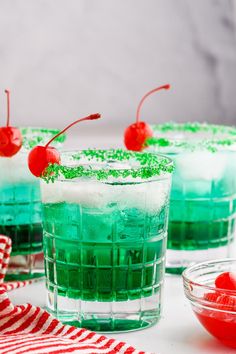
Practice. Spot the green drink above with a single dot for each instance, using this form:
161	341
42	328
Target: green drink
203	195
20	208
105	226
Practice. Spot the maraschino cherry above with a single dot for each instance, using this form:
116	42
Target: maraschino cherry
137	133
10	137
41	156
226	280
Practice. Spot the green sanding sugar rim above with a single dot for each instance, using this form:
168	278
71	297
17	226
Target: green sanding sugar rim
149	165
36	136
213	144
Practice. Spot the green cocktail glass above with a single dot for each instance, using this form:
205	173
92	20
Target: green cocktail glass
203	195
20	207
105	227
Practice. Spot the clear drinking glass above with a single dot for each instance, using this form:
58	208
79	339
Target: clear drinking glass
105	227
203	195
20	207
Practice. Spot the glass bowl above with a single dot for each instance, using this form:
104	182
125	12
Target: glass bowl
215	308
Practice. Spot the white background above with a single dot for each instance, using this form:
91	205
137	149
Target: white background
64	59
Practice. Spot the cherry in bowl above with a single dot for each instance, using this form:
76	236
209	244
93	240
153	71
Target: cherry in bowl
210	289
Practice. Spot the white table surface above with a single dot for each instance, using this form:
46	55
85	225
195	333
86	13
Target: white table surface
178	331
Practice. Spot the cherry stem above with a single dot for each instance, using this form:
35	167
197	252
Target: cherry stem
8	107
164	87
91	117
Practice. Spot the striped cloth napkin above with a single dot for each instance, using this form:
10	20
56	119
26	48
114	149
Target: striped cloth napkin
30	329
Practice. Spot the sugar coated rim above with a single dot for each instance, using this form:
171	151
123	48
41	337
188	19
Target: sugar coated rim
148	166
37	136
214	143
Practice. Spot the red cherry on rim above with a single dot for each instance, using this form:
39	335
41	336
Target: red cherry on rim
226	280
40	157
137	133
10	137
10	141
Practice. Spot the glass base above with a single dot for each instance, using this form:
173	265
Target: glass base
122	316
178	260
24	267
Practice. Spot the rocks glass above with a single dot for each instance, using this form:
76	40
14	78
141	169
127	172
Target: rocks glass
203	195
105	228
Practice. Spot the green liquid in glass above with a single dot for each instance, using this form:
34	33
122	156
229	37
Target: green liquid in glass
103	254
200	225
26	239
20	217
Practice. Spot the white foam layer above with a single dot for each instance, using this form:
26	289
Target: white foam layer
201	165
146	196
15	169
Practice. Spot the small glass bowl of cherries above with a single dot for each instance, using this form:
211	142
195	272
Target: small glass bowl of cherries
211	290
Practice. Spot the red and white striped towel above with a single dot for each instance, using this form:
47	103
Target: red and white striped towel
30	329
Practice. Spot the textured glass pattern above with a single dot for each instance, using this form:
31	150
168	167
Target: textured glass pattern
202	208
21	208
106	256
20	216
